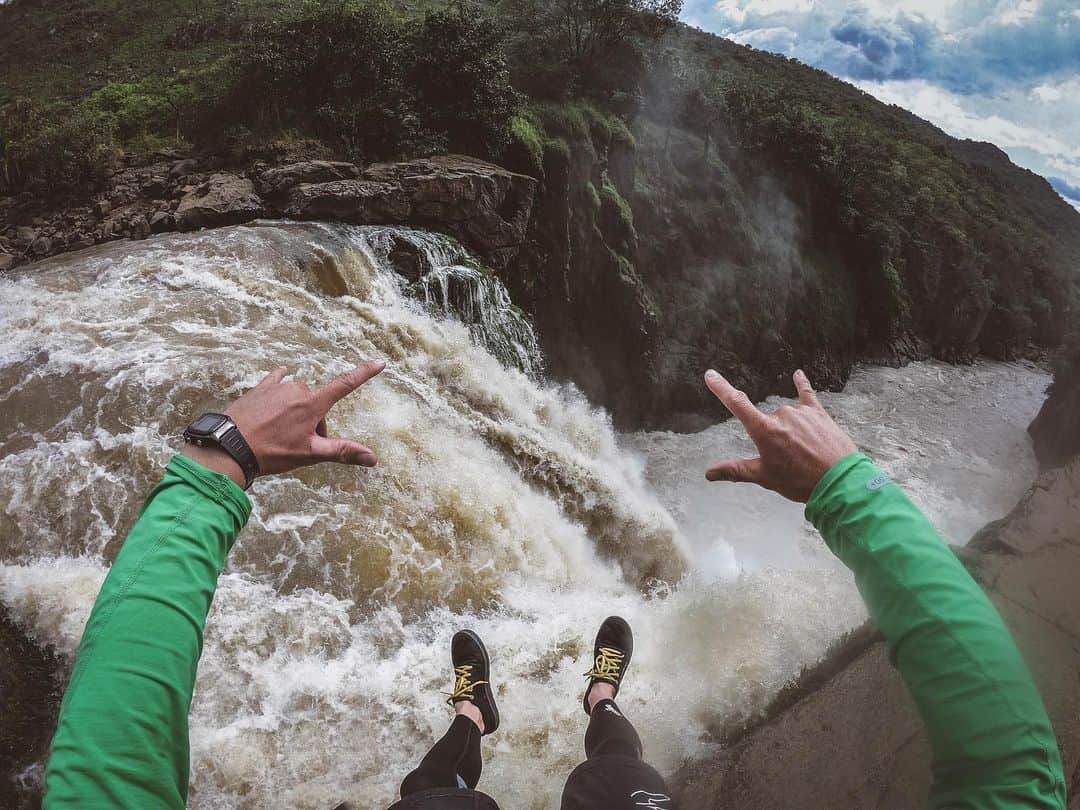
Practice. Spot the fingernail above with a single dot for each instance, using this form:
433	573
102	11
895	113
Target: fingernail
711	374
801	373
368	459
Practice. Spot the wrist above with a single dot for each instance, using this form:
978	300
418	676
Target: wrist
217	460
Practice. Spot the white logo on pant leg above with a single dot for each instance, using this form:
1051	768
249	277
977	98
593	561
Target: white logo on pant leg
642	798
609	708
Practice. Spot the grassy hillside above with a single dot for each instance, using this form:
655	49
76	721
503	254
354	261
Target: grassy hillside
700	202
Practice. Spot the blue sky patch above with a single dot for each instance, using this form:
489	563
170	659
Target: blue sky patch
1004	71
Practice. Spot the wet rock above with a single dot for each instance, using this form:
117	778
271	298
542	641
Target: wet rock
485	206
140	228
225	199
7	261
406	259
280	179
102	208
42	246
1055	432
183	167
359	201
24	237
162	221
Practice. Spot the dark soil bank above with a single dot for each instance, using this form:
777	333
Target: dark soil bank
30	692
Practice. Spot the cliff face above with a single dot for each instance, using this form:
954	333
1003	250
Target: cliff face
705	205
1055	431
848	735
805	224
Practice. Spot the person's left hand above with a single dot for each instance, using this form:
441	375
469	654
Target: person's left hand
285	425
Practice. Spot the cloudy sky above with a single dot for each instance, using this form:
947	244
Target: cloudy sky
1004	71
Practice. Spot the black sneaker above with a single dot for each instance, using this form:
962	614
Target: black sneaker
472	674
611	655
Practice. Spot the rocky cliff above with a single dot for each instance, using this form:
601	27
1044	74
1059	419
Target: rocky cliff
485	206
847	734
1055	431
806	224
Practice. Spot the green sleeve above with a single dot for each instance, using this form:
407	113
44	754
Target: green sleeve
122	736
992	742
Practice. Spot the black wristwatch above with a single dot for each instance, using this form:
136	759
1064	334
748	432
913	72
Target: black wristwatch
218	430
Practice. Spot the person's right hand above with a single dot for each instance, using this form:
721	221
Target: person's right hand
285	425
797	444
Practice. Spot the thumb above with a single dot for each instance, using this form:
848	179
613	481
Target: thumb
745	470
342	451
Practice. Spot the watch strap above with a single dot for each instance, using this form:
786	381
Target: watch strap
228	437
234	443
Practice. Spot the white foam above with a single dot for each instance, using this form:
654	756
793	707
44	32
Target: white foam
499	503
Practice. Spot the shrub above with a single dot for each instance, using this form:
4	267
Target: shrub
527	139
135	110
378	84
336	67
57	148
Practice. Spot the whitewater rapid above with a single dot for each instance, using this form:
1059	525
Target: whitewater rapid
501	503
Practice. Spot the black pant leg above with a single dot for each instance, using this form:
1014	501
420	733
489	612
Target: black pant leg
472	763
609	732
442	765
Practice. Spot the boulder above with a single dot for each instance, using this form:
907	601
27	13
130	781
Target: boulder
406	259
359	201
183	167
280	179
140	228
7	261
162	221
225	199
41	246
1055	432
31	684
24	237
485	206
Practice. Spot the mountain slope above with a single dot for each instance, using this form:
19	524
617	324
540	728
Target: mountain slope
701	203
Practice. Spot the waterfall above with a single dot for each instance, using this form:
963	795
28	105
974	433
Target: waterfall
502	502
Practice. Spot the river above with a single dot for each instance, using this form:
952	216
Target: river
502	502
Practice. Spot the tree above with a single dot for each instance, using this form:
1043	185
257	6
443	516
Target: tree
592	27
705	104
336	66
461	79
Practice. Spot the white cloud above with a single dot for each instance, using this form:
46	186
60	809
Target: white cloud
1043	137
1020	13
1004	71
739	10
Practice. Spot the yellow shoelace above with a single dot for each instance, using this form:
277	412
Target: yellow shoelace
608	665
464	685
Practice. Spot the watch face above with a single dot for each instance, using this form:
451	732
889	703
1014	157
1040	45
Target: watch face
207	423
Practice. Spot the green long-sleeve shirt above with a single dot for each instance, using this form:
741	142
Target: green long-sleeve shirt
122	735
992	743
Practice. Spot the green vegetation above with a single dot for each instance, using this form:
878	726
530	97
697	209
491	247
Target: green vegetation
929	222
753	176
370	78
